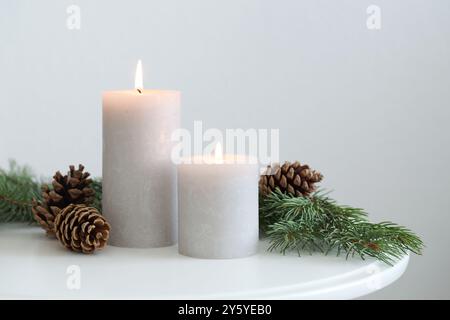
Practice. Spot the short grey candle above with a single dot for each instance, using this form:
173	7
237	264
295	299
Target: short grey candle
218	209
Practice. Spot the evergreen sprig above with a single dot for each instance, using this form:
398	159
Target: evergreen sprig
97	186
318	223
18	186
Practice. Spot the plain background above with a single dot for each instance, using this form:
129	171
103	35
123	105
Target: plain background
368	108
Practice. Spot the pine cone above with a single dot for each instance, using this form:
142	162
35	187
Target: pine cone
73	188
45	216
82	229
296	179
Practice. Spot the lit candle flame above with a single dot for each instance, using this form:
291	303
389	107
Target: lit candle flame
218	153
138	81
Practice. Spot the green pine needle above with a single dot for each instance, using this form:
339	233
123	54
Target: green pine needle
318	223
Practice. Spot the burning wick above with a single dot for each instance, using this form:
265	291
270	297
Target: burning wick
138	82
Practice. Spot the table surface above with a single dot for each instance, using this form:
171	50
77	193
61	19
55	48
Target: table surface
33	266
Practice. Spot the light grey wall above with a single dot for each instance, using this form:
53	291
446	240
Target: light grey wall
368	108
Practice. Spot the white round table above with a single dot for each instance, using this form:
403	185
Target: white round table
33	266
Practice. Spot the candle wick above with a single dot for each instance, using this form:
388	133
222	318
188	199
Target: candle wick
139	90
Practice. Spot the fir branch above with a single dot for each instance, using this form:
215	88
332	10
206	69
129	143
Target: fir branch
18	187
318	223
97	186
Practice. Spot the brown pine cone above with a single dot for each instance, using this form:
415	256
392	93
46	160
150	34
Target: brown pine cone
296	179
82	229
45	216
72	188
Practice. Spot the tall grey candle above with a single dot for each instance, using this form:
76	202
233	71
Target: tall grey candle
139	178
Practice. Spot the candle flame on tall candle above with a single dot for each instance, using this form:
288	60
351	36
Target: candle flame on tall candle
218	153
138	79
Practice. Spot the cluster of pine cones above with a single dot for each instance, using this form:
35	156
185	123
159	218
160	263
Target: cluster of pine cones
293	178
64	212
